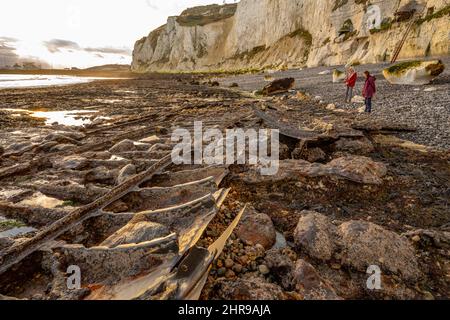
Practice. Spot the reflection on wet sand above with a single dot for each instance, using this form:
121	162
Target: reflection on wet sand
68	118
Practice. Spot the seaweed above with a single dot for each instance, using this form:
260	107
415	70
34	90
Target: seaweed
403	66
10	224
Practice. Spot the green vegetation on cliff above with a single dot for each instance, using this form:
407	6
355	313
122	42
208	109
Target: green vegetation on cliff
445	11
203	15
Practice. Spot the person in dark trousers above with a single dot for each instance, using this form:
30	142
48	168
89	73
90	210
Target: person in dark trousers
350	81
369	90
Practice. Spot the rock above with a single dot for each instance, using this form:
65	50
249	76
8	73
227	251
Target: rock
234	85
151	140
325	72
237	268
368	244
438	238
162	130
281	267
136	233
123	146
309	154
301	96
414	72
5	243
229	263
338	76
358	99
278	86
310	284
331	107
263	269
61	138
315	235
71	163
284	151
221	272
354	168
360	146
358	169
230	274
358	244
62	147
257	228
247	289
126	172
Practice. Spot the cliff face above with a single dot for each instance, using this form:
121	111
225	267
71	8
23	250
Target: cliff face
265	34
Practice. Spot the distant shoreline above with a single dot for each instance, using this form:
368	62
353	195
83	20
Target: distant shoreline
78	73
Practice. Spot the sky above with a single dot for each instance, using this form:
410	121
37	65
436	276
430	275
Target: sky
80	33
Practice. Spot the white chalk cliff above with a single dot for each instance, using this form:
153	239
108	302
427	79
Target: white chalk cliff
263	34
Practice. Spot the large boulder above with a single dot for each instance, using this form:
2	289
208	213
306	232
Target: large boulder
314	235
366	244
257	228
358	169
414	72
357	245
278	86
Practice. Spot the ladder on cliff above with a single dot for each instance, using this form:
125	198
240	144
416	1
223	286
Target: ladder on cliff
401	43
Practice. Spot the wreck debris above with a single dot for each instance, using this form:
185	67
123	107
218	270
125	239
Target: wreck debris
278	86
414	72
338	76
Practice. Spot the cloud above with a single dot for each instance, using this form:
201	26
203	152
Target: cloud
55	45
7	39
8	56
110	50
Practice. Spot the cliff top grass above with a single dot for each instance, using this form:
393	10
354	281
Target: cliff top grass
203	15
403	67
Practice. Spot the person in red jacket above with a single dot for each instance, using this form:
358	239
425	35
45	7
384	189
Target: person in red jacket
350	81
369	90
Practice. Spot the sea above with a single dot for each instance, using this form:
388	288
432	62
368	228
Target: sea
31	81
